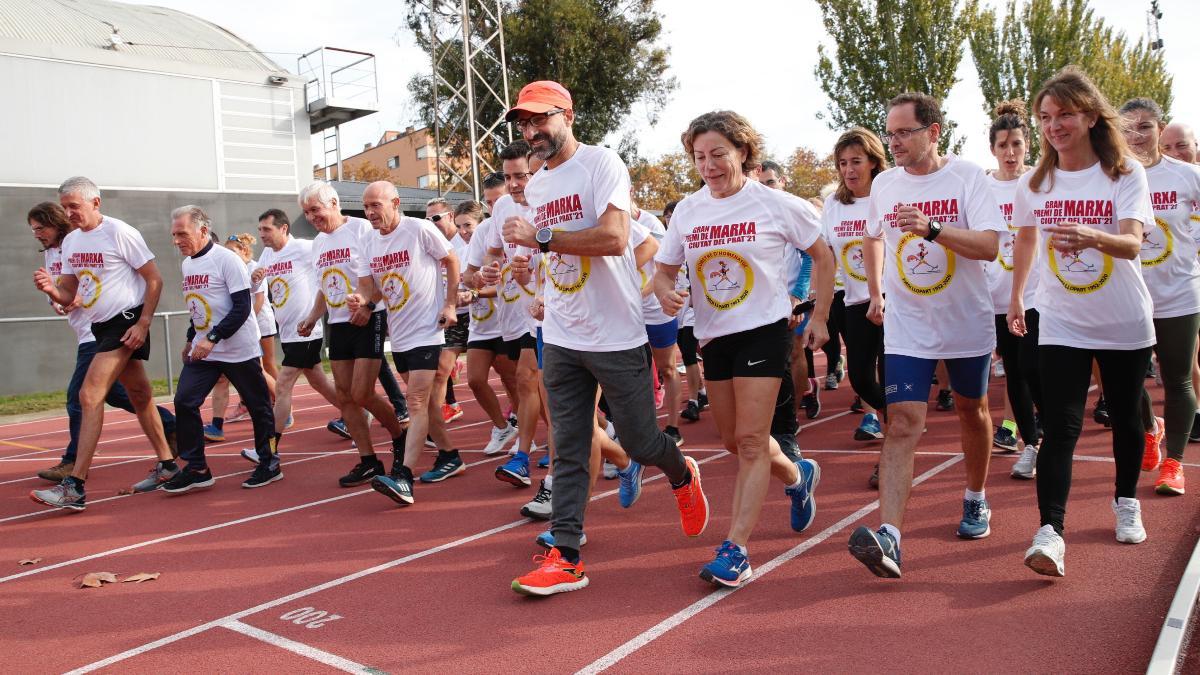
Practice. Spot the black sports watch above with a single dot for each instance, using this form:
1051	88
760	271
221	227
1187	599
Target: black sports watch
213	337
371	305
543	237
935	228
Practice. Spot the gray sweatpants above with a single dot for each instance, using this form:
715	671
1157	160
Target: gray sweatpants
571	377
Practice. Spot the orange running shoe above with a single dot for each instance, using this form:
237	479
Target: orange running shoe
1170	478
451	412
693	505
552	575
1153	454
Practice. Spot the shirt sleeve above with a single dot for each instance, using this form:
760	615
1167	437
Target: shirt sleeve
433	241
1133	196
610	182
132	246
638	233
670	249
874	227
801	222
65	259
982	211
477	247
1022	215
234	271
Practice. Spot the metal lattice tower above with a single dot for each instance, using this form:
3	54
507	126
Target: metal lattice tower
470	90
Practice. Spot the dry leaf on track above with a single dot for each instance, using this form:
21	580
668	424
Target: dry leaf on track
141	576
30	561
96	579
124	491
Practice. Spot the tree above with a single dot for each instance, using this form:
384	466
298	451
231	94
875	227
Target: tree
606	52
885	47
365	172
1013	57
671	178
808	172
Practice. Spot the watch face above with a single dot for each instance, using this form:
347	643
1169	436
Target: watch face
543	235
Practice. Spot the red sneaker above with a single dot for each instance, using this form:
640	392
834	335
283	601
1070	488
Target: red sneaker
552	575
1170	478
1153	454
693	505
451	412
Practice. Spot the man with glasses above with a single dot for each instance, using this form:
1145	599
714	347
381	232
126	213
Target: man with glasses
932	227
592	328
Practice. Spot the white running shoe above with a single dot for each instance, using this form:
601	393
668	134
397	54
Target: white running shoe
500	439
1026	466
1129	520
1045	555
611	431
610	470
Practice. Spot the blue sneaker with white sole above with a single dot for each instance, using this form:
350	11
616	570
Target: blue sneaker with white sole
869	429
515	471
544	462
877	550
976	519
213	434
630	487
804	502
546	540
729	569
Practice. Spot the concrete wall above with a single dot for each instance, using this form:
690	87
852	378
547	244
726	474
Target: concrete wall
41	356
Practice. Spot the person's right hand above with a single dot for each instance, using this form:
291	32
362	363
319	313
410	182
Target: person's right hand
875	311
305	327
490	273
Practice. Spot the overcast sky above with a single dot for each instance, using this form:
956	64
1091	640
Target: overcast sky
759	62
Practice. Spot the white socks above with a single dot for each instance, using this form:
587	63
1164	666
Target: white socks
973	496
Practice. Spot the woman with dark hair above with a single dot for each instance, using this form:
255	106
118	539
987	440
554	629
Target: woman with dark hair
1091	199
1008	138
1172	276
732	234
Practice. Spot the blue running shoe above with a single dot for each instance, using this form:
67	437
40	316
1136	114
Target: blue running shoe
730	568
877	550
338	427
630	487
213	434
804	504
869	430
447	464
976	520
546	540
544	462
515	470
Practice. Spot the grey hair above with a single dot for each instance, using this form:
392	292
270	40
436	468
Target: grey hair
437	200
195	215
80	185
323	191
771	165
1143	103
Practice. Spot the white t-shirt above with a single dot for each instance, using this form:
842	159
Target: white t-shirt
1000	270
1168	254
336	256
1088	299
593	303
291	281
76	318
461	247
652	312
844	226
265	317
485	312
209	282
734	249
513	297
105	260
938	304
406	265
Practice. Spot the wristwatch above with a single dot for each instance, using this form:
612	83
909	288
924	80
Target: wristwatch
935	228
213	337
543	238
371	305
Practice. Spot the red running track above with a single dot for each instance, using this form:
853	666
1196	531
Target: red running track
425	589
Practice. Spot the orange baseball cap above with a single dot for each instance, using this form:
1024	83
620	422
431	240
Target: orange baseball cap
539	97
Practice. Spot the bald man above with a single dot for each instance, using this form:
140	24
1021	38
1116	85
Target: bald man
1178	141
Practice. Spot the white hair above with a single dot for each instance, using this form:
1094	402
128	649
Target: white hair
323	191
84	187
195	215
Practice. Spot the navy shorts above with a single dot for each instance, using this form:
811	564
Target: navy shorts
663	335
909	378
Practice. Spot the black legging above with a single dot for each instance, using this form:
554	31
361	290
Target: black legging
1019	395
837	329
784	422
1066	376
390	386
864	355
1028	359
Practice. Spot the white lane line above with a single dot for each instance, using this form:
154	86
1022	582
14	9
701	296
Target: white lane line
653	633
333	583
1165	659
307	651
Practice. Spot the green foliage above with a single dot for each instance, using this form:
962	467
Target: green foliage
1034	40
885	47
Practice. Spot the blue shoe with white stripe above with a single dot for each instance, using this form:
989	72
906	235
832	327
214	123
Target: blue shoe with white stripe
630	487
515	471
804	504
546	540
729	569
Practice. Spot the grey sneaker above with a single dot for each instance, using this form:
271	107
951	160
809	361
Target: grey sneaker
1129	520
1046	553
538	507
155	479
63	496
1025	468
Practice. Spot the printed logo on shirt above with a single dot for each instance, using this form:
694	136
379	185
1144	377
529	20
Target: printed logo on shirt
482	309
89	288
1008	240
395	291
705	236
279	290
199	310
852	260
336	286
1080	272
560	210
727	278
925	267
1157	243
568	273
510	288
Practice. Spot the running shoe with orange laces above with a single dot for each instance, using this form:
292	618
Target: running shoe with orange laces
693	505
451	412
1153	454
553	574
1170	478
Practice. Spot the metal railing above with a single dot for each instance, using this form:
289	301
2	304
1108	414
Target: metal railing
166	317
